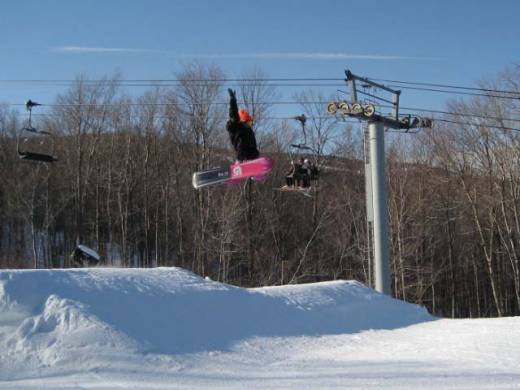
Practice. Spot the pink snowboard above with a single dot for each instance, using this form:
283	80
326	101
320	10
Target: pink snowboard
258	169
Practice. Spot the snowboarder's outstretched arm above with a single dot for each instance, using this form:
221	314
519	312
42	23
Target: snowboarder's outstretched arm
233	106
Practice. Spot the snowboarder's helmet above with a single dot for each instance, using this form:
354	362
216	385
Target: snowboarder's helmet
244	116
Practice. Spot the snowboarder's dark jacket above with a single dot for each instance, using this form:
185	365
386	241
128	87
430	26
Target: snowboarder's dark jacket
241	134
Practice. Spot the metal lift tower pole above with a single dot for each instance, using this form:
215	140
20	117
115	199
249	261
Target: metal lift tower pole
376	194
380	224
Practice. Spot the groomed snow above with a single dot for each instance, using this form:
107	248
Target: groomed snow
167	328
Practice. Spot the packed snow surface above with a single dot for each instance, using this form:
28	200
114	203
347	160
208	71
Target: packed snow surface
167	328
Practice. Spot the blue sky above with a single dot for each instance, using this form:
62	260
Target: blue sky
454	42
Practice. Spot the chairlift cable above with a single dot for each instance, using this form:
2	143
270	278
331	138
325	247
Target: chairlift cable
448	86
309	81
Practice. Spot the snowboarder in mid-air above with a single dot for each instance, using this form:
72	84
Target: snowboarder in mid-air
248	164
241	134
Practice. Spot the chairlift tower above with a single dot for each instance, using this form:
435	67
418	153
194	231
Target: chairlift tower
375	178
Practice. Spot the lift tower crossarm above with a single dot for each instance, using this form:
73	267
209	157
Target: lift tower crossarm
351	78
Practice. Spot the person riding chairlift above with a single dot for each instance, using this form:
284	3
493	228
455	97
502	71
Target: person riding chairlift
292	178
306	173
299	174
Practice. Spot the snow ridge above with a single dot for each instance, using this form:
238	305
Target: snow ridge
58	320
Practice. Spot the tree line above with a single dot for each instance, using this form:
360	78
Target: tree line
122	186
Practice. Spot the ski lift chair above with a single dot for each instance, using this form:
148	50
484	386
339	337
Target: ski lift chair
312	180
35	155
42	147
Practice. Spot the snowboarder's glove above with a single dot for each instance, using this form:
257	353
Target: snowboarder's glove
231	93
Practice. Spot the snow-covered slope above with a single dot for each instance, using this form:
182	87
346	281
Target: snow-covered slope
168	328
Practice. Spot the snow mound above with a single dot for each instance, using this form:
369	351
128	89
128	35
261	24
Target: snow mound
339	307
65	332
66	322
51	317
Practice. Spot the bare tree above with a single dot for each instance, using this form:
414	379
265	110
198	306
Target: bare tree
83	112
199	89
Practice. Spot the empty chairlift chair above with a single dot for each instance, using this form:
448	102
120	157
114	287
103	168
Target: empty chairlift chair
33	144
